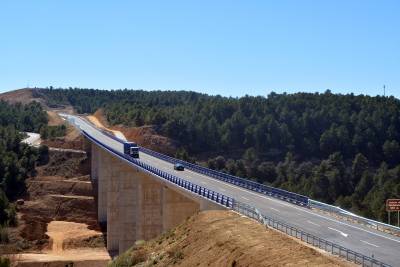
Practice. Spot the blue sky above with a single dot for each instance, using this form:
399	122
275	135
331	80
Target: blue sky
218	47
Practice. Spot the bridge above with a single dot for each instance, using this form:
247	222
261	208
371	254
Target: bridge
142	198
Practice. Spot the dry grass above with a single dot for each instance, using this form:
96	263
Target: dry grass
224	238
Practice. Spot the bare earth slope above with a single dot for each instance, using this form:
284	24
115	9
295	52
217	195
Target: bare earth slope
224	238
145	136
22	95
57	219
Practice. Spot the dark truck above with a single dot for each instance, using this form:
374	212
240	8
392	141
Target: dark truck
131	149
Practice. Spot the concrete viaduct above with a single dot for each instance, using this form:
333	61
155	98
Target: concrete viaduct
134	204
138	199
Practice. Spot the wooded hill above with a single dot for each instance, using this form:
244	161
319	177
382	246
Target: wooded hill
341	149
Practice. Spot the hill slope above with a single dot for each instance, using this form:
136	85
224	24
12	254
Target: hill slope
223	238
24	96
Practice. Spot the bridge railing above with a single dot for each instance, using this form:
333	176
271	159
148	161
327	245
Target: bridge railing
199	190
251	185
310	239
354	217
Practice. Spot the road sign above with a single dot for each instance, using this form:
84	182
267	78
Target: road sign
393	205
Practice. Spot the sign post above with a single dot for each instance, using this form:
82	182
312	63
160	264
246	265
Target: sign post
393	205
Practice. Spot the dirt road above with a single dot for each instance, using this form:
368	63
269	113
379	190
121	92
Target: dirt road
65	238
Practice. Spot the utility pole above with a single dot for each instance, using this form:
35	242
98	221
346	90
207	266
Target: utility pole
384	90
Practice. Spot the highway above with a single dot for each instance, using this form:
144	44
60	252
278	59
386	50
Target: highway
359	238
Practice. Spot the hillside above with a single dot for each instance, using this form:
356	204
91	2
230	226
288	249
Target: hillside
339	149
223	238
56	222
23	96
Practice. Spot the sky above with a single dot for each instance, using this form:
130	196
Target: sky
231	48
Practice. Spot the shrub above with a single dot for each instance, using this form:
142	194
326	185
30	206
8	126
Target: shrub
4	262
3	235
12	216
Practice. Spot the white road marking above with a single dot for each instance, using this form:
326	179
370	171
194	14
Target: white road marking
223	190
245	198
203	182
301	209
340	232
313	223
274	209
369	243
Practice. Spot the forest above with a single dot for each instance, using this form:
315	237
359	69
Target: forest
339	149
17	160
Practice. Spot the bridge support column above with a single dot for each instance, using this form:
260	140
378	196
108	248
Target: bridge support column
94	167
128	206
176	208
113	205
104	176
149	212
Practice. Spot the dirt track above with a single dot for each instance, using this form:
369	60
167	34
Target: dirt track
79	257
62	234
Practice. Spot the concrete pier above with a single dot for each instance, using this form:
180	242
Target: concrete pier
135	204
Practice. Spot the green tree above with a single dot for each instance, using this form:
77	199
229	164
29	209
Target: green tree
391	150
267	172
360	165
3	206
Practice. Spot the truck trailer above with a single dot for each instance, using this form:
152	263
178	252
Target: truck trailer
131	149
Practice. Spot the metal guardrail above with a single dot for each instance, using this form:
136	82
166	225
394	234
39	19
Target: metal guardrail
354	217
244	183
310	239
251	212
199	190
